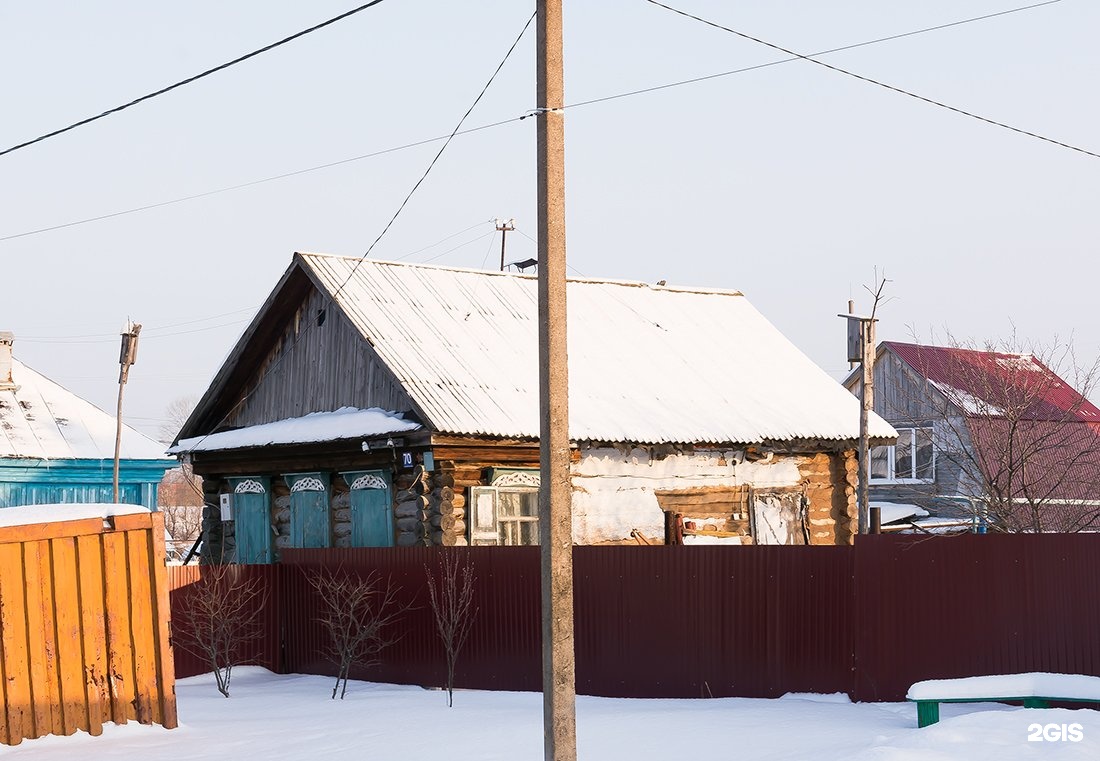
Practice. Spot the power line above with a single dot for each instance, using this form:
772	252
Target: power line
194	78
841	49
579	104
311	325
435	159
877	82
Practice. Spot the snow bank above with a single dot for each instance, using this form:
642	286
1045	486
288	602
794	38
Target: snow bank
1005	686
31	514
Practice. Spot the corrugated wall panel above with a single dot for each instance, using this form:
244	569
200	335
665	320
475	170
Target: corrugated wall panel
943	607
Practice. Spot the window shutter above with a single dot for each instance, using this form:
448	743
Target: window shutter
483	526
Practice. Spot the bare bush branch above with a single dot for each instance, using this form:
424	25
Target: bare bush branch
358	614
219	615
452	596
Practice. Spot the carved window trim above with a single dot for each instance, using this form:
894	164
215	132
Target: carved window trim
249	486
369	481
514	478
309	483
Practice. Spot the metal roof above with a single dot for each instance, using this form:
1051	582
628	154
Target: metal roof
41	420
647	364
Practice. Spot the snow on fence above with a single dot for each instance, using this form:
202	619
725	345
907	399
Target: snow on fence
83	621
751	621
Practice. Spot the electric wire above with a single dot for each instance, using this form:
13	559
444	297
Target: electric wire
435	158
312	324
189	80
579	104
853	46
876	82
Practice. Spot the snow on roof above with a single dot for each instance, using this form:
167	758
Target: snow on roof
897	511
41	420
344	423
32	514
647	364
1004	686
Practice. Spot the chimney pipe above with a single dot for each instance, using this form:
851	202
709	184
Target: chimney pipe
7	338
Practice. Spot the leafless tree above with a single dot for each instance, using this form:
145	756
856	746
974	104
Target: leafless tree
452	598
175	415
1013	425
358	614
218	617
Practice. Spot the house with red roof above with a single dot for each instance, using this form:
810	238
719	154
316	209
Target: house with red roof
996	439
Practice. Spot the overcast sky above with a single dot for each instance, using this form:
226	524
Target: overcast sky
790	183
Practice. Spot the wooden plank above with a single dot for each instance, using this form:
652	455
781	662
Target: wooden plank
14	653
133	522
40	531
93	627
40	638
120	649
165	660
142	610
69	653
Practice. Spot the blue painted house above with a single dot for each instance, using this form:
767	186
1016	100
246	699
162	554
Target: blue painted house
56	447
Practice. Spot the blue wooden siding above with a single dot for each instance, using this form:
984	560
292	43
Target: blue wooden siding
252	518
310	521
371	508
37	482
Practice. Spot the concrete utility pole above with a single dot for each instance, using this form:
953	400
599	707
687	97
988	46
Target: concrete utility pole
555	495
866	404
861	348
127	356
504	226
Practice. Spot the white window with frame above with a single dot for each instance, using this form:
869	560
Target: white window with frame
506	512
911	461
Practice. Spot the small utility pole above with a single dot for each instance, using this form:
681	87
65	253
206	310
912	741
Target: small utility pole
127	356
504	226
861	348
559	696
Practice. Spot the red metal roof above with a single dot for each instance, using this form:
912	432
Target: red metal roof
999	380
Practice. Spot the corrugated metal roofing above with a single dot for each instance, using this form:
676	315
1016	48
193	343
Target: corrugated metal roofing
647	364
42	420
983	382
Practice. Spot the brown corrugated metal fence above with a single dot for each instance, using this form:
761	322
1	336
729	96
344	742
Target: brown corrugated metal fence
747	621
84	627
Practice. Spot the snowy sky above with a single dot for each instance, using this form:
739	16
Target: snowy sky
790	183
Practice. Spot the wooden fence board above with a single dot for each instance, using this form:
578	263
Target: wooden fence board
146	707
69	650
165	662
13	644
83	626
93	630
120	649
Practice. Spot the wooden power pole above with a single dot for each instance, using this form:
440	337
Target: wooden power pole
127	356
504	226
555	495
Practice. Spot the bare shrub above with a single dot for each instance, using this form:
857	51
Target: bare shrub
452	596
358	613
220	614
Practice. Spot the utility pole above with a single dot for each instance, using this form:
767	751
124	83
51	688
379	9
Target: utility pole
504	226
127	356
861	348
559	695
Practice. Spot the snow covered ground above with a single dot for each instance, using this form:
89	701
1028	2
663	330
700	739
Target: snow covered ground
279	718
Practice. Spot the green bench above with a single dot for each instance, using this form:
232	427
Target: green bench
1034	690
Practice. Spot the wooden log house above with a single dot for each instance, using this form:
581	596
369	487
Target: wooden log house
378	404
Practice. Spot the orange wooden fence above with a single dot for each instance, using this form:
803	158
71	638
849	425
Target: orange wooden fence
84	627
